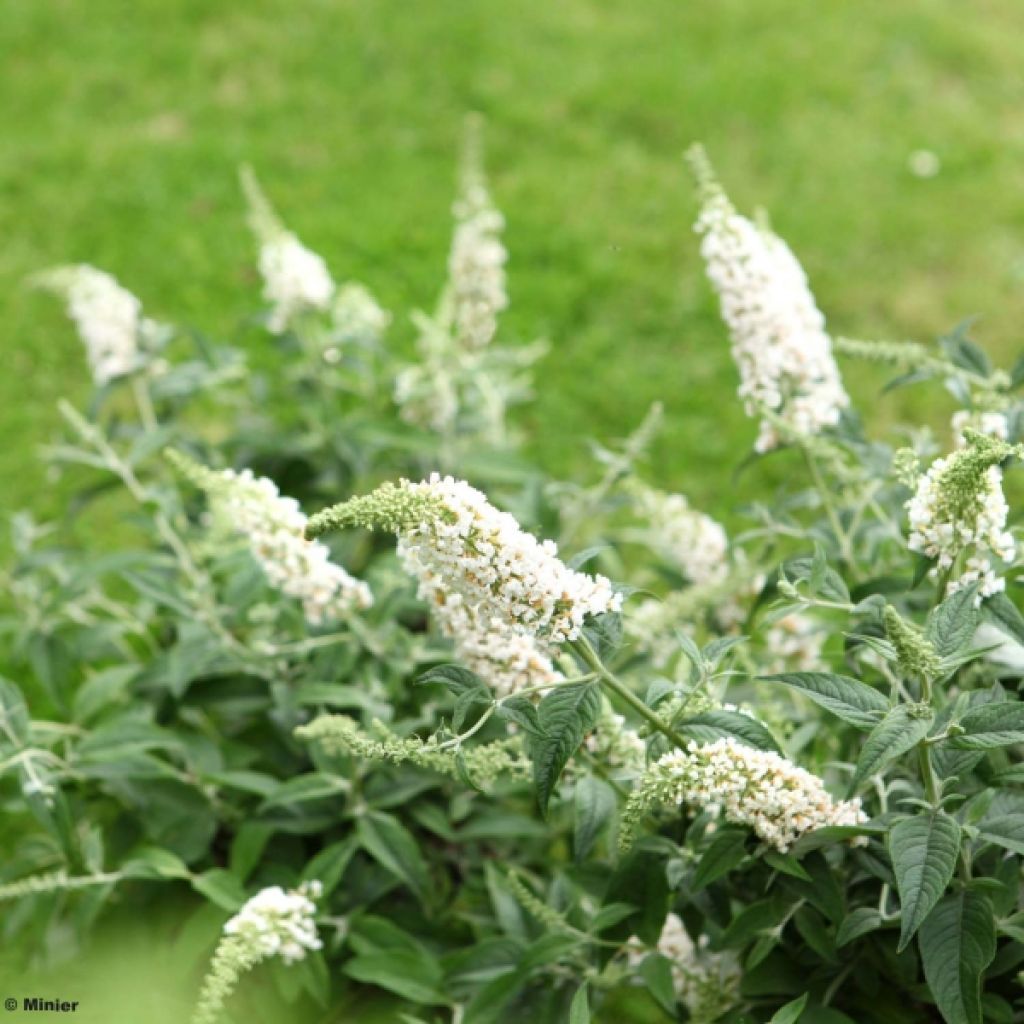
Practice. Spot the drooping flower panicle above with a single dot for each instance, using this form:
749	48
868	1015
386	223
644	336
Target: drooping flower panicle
788	375
959	510
108	318
696	544
763	790
275	922
295	279
449	532
476	264
274	526
506	659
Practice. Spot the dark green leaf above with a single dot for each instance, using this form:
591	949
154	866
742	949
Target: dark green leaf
951	626
791	1012
390	844
849	699
957	942
411	974
566	715
857	923
716	725
593	808
1006	831
991	725
924	850
727	849
901	729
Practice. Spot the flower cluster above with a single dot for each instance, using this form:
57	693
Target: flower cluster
779	800
614	744
794	644
295	279
706	983
788	374
506	659
356	315
273	526
959	510
449	533
696	544
476	264
273	923
279	923
108	318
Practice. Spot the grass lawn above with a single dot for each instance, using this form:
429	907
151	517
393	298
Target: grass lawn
124	125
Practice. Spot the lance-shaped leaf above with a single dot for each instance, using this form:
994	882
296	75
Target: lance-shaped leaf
957	942
715	725
1006	831
991	725
1003	613
924	851
903	727
849	699
952	625
564	716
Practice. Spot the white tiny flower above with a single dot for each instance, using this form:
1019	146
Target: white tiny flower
779	800
295	279
779	341
498	569
108	318
278	923
273	526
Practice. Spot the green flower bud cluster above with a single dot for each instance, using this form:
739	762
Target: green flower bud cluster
963	478
915	654
485	762
55	881
547	915
393	508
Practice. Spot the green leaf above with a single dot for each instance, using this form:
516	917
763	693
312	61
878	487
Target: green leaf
458	679
579	1009
991	725
957	942
725	851
593	808
790	1013
849	699
220	887
247	847
411	974
857	923
392	845
1004	615
656	971
901	729
951	625
716	725
924	851
486	1006
565	716
1006	831
303	788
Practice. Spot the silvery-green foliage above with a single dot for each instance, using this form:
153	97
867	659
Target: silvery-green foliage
565	751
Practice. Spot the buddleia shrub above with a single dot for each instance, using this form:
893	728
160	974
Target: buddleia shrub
411	717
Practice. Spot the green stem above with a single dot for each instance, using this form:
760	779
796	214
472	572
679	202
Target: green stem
590	657
931	785
821	485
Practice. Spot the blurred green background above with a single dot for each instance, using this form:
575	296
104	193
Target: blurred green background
124	125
